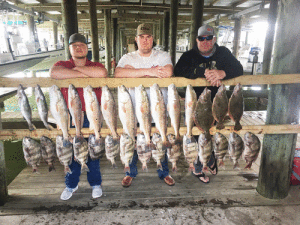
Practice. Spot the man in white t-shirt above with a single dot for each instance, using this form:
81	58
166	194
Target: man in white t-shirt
145	62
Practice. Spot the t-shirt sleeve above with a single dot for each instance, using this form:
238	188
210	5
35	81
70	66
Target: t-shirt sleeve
165	59
63	63
123	61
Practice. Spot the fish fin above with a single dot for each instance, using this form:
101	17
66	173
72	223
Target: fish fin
220	126
144	167
248	166
236	166
237	126
84	168
174	168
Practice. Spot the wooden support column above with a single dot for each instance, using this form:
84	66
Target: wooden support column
270	36
118	45
283	107
55	34
161	28
94	30
197	20
166	30
237	36
70	22
3	184
173	32
107	25
114	40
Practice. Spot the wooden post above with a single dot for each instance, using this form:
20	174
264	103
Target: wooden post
173	32
270	36
3	184
55	34
94	30
70	22
237	36
161	28
166	30
114	42
107	22
197	20
278	150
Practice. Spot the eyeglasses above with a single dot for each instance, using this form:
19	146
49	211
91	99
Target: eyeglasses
208	38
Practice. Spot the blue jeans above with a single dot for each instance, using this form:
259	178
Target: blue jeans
161	173
93	176
198	165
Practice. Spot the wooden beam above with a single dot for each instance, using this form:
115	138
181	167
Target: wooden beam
147	82
17	134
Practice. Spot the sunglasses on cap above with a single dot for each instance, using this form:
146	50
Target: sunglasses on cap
208	38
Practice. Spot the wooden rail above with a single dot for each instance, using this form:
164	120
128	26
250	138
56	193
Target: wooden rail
14	134
147	82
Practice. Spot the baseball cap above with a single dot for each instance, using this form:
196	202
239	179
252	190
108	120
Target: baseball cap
144	29
77	38
206	30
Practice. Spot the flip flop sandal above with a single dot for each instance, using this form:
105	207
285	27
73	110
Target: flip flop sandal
201	175
215	167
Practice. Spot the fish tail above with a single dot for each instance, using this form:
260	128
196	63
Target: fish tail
237	126
174	167
236	166
127	169
191	167
67	170
31	127
220	126
159	166
221	163
144	167
51	168
84	168
34	170
248	166
113	163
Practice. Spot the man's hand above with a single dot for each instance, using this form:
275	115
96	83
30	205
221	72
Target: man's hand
214	76
80	70
160	72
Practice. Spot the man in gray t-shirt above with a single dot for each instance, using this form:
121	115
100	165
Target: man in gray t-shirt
145	62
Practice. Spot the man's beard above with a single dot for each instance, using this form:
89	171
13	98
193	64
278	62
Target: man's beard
79	57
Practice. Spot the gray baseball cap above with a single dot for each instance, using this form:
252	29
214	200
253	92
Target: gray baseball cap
206	30
77	38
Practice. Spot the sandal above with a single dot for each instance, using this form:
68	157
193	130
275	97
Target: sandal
201	175
126	182
214	170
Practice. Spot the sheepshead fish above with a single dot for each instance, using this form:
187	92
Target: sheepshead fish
143	114
64	154
190	105
75	108
59	111
93	111
25	107
252	148
236	106
205	150
126	150
158	154
112	149
159	114
203	113
126	112
32	152
236	148
190	150
42	106
174	110
220	147
109	111
144	154
96	147
48	151
81	152
174	152
220	107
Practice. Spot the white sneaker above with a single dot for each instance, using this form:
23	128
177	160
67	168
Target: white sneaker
97	191
67	193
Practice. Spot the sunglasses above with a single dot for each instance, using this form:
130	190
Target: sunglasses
208	38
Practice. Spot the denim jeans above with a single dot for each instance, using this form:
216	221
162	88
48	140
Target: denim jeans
198	165
161	173
93	176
